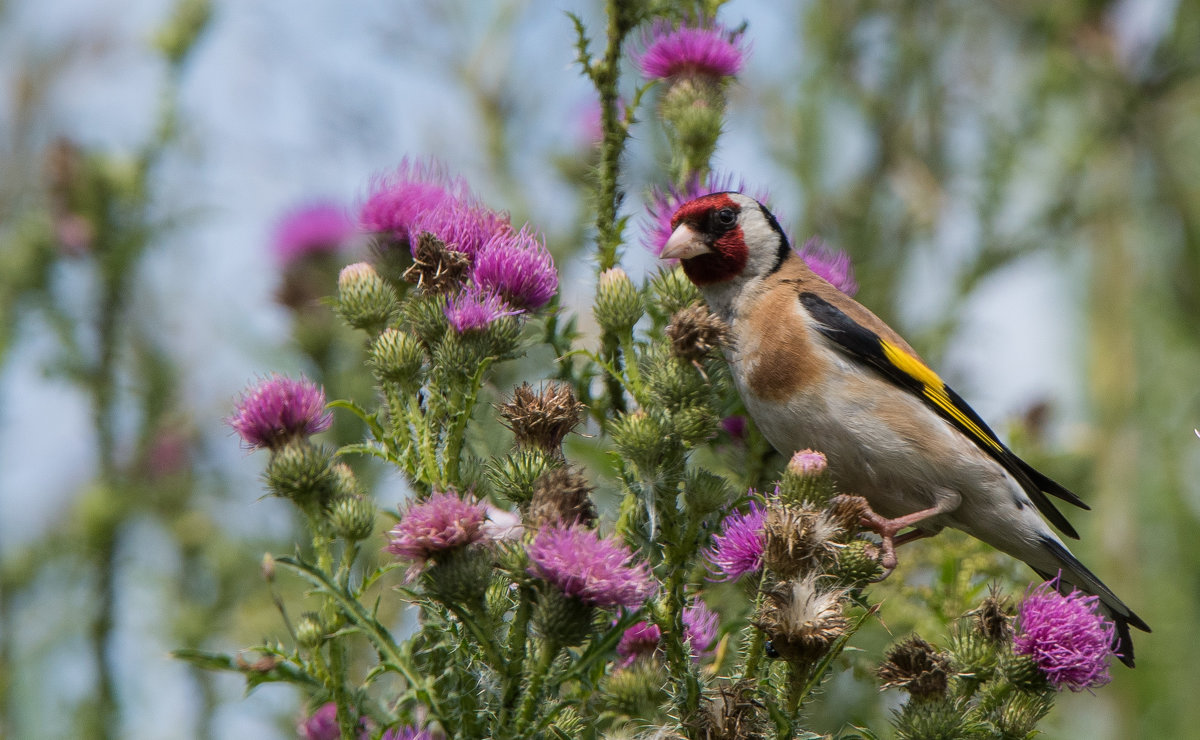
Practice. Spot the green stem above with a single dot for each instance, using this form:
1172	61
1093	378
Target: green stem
529	702
514	665
458	430
754	652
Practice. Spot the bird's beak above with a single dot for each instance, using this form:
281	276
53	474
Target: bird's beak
684	243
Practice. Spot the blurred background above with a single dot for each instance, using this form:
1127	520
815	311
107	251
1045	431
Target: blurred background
1017	183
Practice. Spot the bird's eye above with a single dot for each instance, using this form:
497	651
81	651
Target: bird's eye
725	217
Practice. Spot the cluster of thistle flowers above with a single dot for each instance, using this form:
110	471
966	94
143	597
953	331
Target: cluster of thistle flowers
1000	673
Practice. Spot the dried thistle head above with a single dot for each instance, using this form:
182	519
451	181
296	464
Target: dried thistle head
917	667
561	496
542	418
801	620
796	539
436	269
732	713
845	511
695	331
994	617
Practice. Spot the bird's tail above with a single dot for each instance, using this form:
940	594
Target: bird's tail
1074	574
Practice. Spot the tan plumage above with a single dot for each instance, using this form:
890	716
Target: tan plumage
816	369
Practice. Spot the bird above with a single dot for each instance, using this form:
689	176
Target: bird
818	370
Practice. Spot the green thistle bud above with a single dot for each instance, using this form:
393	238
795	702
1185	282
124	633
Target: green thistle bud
190	19
364	300
673	292
673	383
1023	673
644	439
618	303
310	632
302	472
1019	716
917	667
562	619
937	719
398	358
636	691
513	476
806	479
503	336
344	481
460	576
457	357
857	564
975	656
425	316
353	518
705	493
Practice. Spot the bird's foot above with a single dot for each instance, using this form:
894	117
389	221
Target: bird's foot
890	537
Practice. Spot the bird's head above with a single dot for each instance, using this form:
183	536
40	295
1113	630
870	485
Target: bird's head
725	237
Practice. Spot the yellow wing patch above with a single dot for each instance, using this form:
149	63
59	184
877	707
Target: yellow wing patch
935	390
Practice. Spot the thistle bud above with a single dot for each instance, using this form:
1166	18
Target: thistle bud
364	300
643	439
513	476
1021	713
673	383
426	316
917	667
937	718
618	303
975	656
561	496
673	291
353	518
398	358
806	479
562	619
994	617
637	690
705	493
459	576
180	34
301	472
310	633
542	419
695	331
695	425
857	564
1023	672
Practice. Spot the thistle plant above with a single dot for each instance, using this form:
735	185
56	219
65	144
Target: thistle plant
714	600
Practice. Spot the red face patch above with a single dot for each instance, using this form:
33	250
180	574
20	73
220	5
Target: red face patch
695	212
729	255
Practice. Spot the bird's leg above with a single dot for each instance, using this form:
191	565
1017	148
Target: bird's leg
888	529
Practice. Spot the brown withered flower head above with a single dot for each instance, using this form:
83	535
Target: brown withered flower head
542	418
561	496
695	331
801	620
436	269
845	511
917	667
731	714
796	539
994	617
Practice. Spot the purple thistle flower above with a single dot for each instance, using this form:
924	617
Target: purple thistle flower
673	51
461	223
735	427
664	203
279	409
807	463
700	629
581	564
313	228
321	724
475	308
396	200
442	522
640	639
1066	636
517	266
830	264
739	548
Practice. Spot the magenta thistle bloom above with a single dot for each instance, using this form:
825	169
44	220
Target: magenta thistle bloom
738	549
640	639
314	228
581	564
700	629
461	223
830	264
735	427
442	522
1066	636
688	51
396	200
664	203
808	462
279	409
517	266
475	308
321	724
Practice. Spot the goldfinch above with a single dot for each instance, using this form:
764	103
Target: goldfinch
818	370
